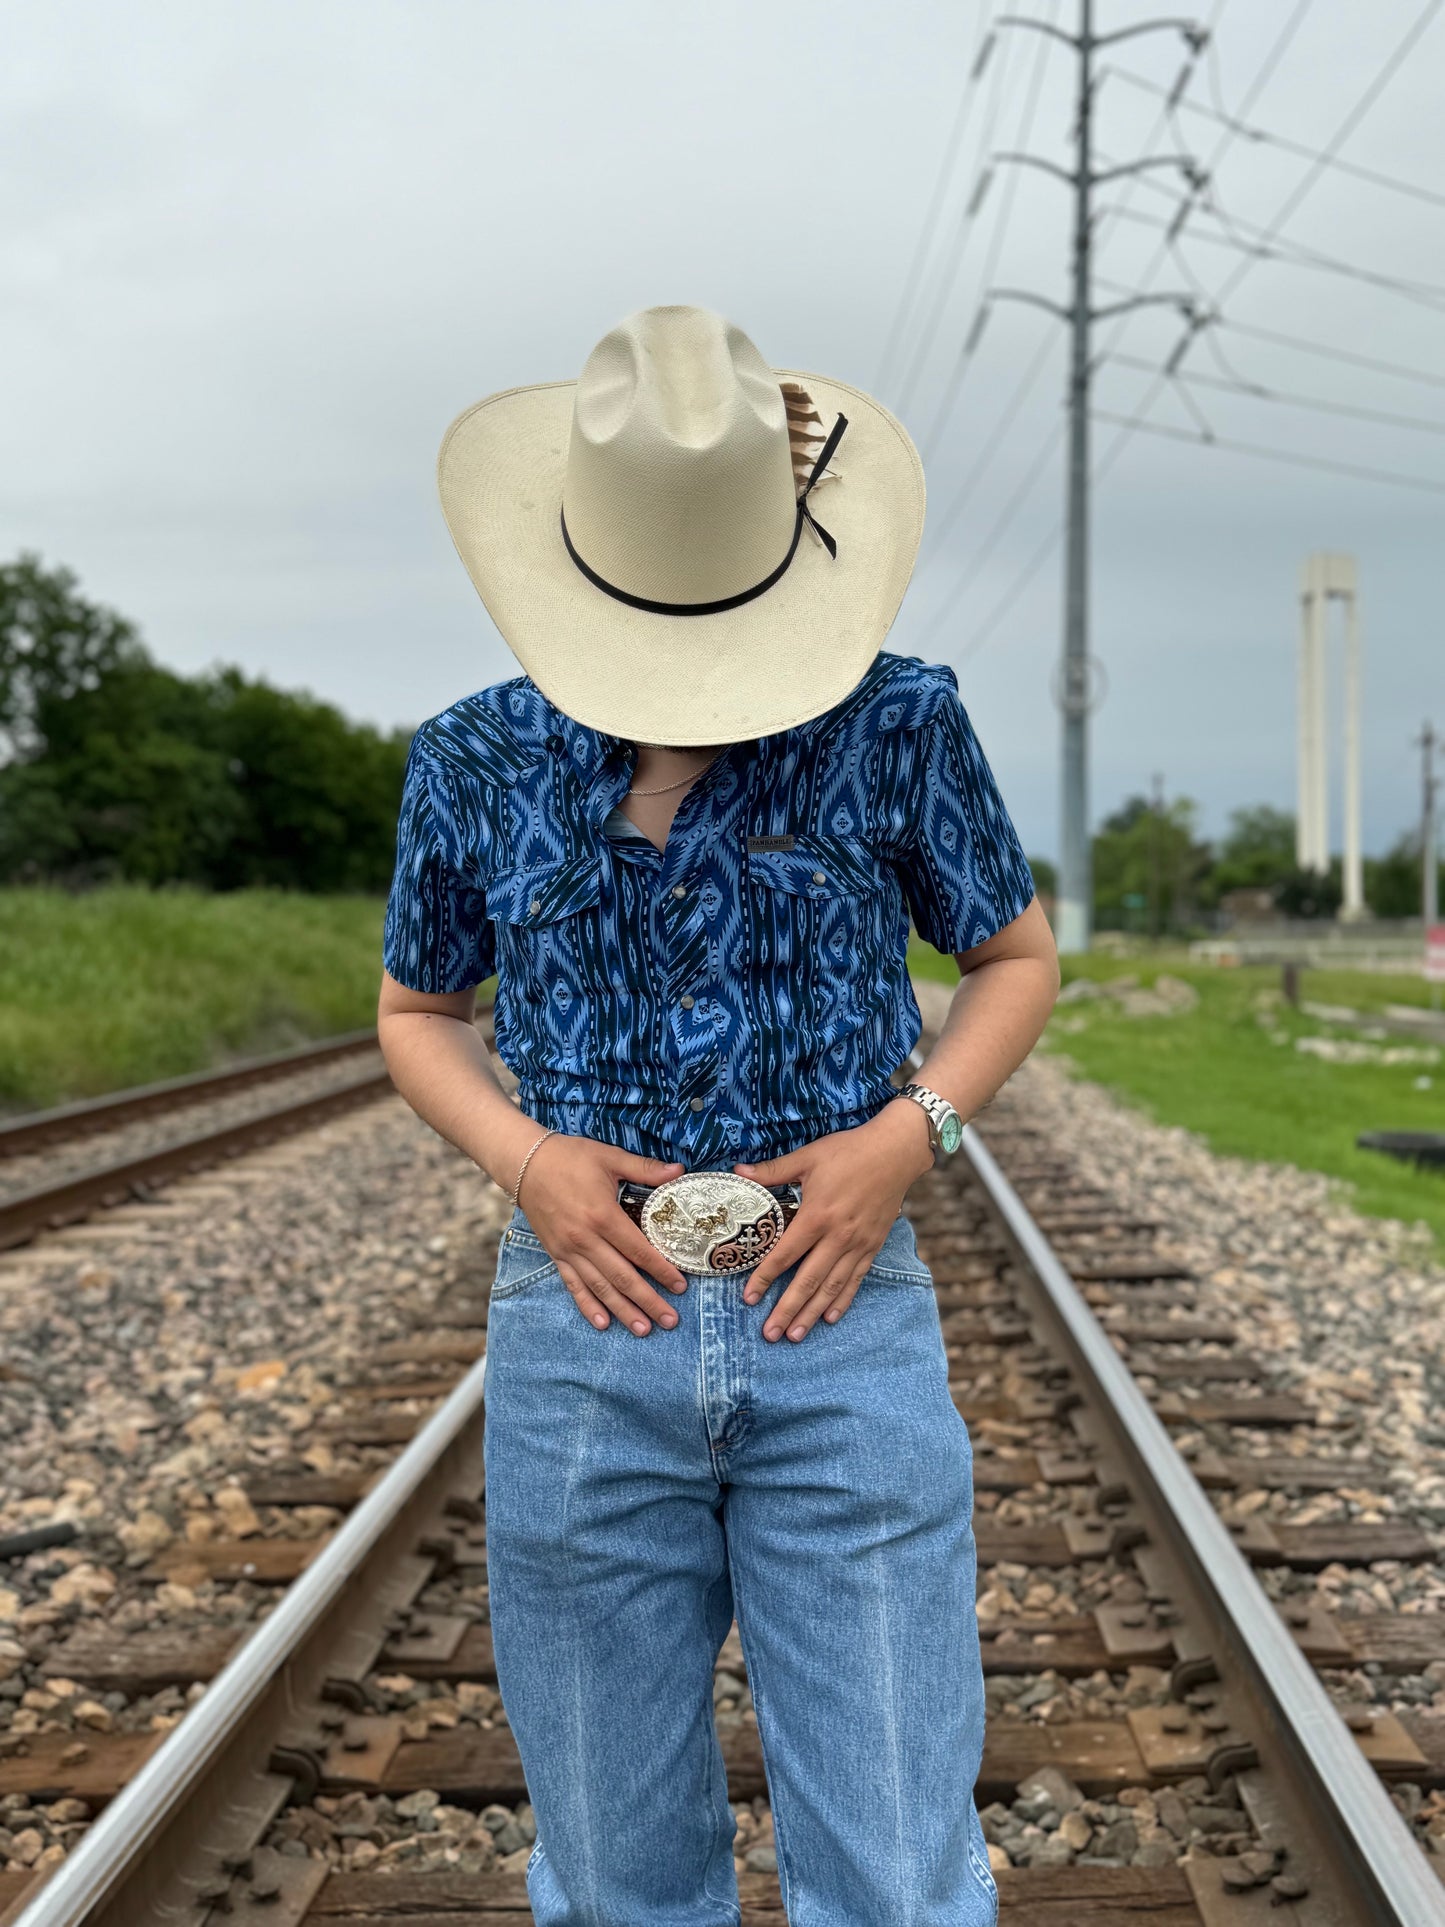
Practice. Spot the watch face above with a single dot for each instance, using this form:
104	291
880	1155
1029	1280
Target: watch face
951	1131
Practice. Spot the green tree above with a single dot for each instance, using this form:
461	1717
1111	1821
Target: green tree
1394	881
120	768
1310	893
1148	860
1257	852
53	644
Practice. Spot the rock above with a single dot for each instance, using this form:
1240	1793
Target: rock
1206	1819
84	1584
996	1821
1053	1852
1075	1829
238	1512
1172	1812
146	1534
1055	1788
1121	1840
259	1379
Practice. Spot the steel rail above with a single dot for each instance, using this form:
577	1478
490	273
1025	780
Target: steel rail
34	1131
1336	1807
151	1853
73	1198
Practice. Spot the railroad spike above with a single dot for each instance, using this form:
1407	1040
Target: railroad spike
1234	1756
299	1765
1199	1670
350	1693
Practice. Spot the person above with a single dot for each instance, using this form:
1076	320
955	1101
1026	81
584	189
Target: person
688	841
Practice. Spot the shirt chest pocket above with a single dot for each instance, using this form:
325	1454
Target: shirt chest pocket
552	931
818	920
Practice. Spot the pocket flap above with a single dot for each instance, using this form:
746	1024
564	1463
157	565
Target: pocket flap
542	892
819	866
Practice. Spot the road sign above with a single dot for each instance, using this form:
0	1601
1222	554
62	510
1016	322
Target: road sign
1435	953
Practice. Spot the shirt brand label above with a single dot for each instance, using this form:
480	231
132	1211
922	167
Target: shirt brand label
771	842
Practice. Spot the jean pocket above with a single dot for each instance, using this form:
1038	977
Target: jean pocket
896	1261
523	1264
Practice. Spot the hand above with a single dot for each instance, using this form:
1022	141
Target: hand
854	1184
571	1204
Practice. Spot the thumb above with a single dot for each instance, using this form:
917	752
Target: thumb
629	1164
776	1170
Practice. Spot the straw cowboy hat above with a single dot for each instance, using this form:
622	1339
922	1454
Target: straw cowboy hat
685	545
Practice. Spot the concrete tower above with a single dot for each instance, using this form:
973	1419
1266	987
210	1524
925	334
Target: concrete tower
1325	578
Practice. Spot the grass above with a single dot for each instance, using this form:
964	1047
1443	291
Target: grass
1229	1070
125	985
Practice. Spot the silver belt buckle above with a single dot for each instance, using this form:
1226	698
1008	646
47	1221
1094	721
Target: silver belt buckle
714	1223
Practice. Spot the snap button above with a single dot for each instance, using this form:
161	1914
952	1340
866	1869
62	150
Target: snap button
818	877
694	1103
686	1002
679	889
534	906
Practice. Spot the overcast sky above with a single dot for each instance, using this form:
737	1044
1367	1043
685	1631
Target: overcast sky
254	259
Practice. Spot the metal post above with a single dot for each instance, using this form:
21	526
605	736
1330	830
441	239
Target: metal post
1075	916
1429	863
1319	805
1353	906
1074	902
1310	745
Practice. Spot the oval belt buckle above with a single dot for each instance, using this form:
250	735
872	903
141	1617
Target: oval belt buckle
715	1223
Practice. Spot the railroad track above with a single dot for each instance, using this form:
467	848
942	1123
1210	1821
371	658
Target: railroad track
1079	1483
60	1166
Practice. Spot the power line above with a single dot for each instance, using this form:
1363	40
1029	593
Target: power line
1264	73
1304	187
1025	386
1294	255
971	341
1330	353
1000	429
945	288
1243	130
1293	457
982	48
1021	493
980	176
1319	404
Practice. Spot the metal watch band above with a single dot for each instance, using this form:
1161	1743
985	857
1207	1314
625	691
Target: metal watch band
935	1108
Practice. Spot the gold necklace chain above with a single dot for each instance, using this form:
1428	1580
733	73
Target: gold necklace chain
665	787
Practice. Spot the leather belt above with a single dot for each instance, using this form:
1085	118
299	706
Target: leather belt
711	1223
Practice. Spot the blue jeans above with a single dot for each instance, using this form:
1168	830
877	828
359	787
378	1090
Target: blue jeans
643	1492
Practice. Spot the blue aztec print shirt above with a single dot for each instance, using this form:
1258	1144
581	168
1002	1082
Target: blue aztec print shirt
743	991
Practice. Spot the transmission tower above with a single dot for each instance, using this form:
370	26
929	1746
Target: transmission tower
1074	906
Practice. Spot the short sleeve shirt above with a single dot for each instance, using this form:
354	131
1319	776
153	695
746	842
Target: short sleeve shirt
743	990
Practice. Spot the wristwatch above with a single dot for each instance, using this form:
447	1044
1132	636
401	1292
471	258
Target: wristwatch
945	1126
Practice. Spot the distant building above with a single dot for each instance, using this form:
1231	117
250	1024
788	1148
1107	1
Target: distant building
1249	906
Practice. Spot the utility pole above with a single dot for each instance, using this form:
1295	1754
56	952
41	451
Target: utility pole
1430	869
1156	856
1074	904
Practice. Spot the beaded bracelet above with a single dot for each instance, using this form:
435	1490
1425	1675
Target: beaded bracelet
527	1160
